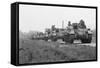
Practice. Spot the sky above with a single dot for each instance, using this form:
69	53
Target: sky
37	18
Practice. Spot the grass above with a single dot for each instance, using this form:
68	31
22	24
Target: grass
35	51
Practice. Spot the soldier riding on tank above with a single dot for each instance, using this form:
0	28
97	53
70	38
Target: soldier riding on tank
82	24
69	27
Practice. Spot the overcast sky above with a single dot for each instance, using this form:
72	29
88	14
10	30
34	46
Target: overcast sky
37	18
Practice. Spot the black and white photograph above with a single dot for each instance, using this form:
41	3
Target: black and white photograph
56	34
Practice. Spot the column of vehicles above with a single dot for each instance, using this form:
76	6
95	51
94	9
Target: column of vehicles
74	31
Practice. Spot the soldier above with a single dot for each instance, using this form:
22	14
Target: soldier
69	23
70	27
82	24
53	27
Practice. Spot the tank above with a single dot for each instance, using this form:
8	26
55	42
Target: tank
74	31
82	32
54	34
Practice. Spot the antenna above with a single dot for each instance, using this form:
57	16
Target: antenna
62	24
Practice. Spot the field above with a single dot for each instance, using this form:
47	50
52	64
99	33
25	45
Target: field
37	51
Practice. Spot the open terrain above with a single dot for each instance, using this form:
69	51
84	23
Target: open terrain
37	51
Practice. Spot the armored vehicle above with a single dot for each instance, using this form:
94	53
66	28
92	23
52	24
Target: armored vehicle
74	31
